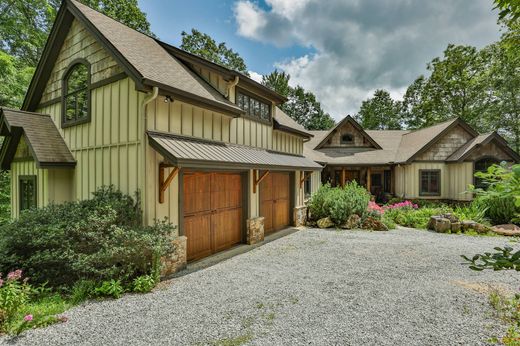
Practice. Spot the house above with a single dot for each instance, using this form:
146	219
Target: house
437	162
205	146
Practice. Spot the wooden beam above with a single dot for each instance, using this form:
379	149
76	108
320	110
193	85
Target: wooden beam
257	180
304	176
163	184
369	179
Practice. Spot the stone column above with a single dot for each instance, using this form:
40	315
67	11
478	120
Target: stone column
177	260
300	216
255	230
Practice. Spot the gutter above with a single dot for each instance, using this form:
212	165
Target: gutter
149	98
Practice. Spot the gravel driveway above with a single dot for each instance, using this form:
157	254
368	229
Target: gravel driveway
403	287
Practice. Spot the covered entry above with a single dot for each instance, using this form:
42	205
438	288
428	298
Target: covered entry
275	201
213	212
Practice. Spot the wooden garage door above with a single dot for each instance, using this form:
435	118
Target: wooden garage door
212	212
275	201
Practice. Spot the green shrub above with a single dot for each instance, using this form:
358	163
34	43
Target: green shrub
501	198
110	288
98	239
316	202
339	203
143	283
81	291
416	218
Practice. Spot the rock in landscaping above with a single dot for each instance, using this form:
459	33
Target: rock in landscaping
455	227
311	223
509	230
481	229
467	224
325	223
450	217
352	222
374	224
439	224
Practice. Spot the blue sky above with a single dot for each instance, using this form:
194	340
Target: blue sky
170	17
342	50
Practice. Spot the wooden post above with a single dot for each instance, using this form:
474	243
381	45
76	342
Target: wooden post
257	180
369	179
343	176
163	184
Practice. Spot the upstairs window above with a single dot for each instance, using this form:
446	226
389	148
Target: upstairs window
254	107
76	94
347	138
27	185
430	182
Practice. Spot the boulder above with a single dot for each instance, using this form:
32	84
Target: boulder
509	230
326	222
481	229
467	224
455	227
442	225
352	222
450	217
374	224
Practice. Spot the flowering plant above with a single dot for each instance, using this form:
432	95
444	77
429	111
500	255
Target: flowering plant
373	206
14	293
404	204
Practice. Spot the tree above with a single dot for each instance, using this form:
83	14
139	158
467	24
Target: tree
14	77
416	112
380	112
206	47
508	8
278	81
504	80
301	105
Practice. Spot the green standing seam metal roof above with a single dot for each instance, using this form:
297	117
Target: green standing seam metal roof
191	151
43	138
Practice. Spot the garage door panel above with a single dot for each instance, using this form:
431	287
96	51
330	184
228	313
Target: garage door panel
198	234
212	212
196	193
227	230
275	201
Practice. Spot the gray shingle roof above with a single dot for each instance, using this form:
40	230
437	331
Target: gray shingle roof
44	140
397	146
285	122
153	62
182	151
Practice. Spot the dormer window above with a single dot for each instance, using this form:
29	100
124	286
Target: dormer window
347	138
253	106
76	94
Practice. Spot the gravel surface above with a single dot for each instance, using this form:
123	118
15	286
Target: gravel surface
403	287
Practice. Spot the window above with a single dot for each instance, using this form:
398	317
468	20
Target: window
76	94
347	138
482	165
254	107
307	187
430	182
27	188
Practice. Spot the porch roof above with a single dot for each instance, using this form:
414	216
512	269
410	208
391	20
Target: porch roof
203	153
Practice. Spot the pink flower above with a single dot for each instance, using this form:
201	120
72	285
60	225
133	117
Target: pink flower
17	274
28	318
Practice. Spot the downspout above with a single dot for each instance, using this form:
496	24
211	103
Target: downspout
144	118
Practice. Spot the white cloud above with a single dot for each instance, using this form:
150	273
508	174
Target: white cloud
255	76
363	45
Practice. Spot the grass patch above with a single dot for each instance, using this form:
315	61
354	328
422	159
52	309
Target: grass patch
507	308
236	341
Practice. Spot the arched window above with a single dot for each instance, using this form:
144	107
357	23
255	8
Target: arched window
347	138
482	165
76	94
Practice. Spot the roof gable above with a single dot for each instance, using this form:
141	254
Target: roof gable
44	140
417	142
140	56
347	121
481	142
